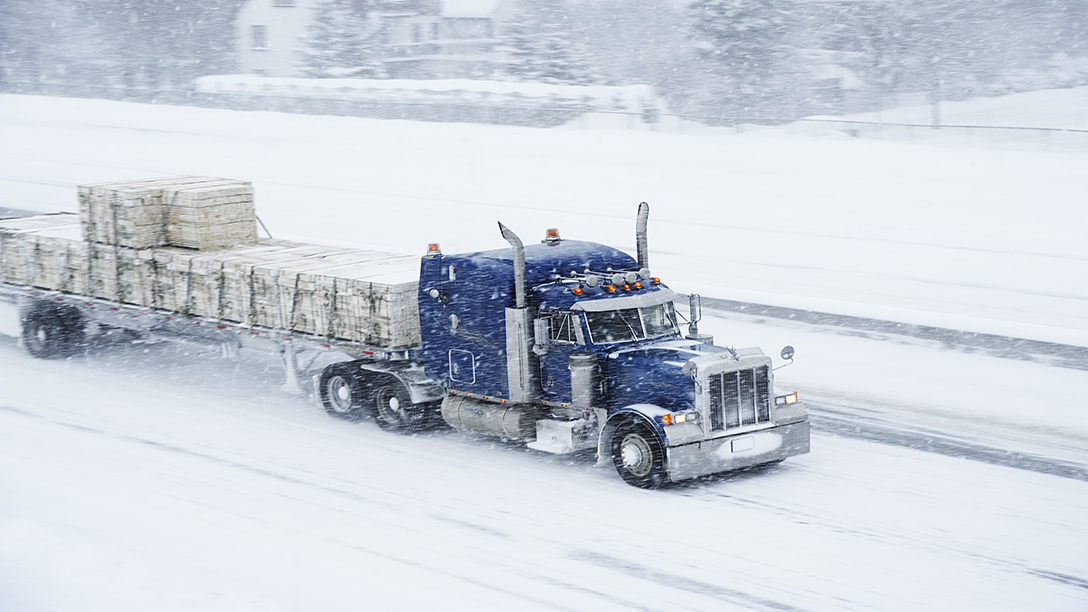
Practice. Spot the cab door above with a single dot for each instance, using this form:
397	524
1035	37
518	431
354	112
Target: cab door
564	338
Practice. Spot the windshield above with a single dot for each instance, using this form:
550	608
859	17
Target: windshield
627	324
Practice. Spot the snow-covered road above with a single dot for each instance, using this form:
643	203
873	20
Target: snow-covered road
133	480
160	481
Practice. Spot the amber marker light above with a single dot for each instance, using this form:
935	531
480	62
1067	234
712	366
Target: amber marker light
610	288
577	291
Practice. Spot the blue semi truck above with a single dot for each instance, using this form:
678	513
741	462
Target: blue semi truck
565	345
575	346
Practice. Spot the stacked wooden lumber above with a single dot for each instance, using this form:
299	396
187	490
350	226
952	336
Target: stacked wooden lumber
347	294
196	212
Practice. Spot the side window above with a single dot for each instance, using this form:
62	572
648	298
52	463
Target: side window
562	328
259	37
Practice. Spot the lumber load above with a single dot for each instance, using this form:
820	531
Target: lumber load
355	295
195	212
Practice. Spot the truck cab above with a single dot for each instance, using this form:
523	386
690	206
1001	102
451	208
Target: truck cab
574	346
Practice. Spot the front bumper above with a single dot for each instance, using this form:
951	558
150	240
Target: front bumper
739	451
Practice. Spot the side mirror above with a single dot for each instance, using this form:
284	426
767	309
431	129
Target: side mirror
787	354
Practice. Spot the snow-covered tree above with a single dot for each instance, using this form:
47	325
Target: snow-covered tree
741	45
633	41
341	42
539	45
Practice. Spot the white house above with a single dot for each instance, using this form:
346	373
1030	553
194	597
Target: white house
422	39
267	34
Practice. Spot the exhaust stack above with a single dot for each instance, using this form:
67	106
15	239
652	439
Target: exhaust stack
640	236
519	264
522	364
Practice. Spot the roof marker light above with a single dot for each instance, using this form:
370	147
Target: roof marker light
610	288
576	291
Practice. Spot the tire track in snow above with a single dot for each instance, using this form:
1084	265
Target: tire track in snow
650	574
406	502
897	537
1005	347
826	418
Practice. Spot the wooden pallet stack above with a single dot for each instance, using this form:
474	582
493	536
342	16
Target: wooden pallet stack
109	251
196	212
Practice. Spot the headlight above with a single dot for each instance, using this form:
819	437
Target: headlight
789	398
672	418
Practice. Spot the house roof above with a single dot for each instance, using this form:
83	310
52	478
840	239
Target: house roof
469	8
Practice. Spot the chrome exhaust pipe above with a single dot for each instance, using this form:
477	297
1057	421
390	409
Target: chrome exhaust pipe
640	236
519	264
522	365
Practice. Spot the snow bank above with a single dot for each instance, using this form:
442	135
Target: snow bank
639	99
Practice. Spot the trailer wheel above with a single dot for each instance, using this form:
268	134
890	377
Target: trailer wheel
638	455
393	407
341	392
52	331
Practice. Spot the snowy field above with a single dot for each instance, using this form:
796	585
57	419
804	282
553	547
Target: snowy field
143	477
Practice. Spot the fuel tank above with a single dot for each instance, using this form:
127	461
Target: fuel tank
510	421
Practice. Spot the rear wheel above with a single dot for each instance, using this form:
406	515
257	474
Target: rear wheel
393	407
341	392
638	455
52	331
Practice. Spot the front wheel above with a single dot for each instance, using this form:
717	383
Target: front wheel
341	392
638	455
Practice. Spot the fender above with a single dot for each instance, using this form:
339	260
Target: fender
641	412
409	374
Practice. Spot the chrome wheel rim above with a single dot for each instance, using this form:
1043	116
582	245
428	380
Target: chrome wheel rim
388	405
636	455
339	393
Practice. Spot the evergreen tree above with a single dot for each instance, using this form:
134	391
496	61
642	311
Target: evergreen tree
539	46
341	43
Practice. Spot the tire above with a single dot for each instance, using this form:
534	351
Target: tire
342	393
638	455
393	409
53	331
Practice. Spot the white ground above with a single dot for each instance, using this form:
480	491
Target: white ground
133	481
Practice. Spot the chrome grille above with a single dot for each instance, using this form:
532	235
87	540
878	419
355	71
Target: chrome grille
739	398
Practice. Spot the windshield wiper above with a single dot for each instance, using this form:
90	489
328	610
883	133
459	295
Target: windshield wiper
634	334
